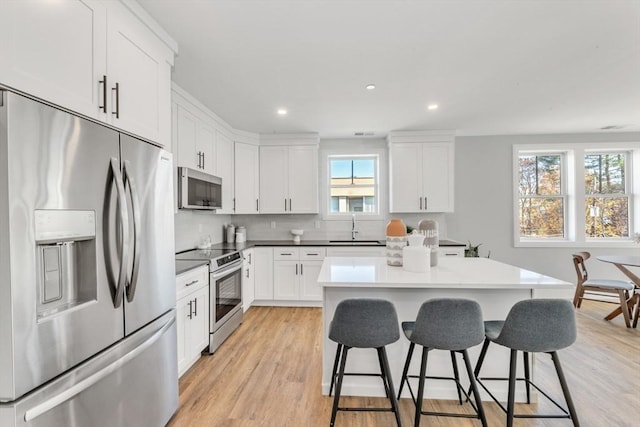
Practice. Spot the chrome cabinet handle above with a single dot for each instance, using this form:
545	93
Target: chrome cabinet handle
301	269
296	269
195	307
135	207
285	205
103	82
290	209
247	273
249	258
193	282
117	90
425	203
190	315
257	206
124	224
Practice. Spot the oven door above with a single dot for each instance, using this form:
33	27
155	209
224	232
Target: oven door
225	294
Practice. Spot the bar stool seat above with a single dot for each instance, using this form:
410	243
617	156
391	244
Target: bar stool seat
363	323
450	324
532	326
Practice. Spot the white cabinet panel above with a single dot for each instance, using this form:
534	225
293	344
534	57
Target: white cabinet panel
264	273
192	294
421	177
295	273
186	133
285	280
310	290
224	169
289	179
248	278
55	51
247	176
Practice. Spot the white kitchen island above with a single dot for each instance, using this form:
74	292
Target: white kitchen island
494	285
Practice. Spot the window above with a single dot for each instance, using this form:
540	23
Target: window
353	184
576	194
606	198
542	198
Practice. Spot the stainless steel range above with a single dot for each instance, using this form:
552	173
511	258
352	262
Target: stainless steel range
225	291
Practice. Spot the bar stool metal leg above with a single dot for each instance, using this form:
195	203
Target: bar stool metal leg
474	388
565	389
420	397
456	375
405	371
512	387
527	375
387	375
336	398
335	368
385	381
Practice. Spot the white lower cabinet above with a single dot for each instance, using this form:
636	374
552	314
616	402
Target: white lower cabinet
295	273
248	278
264	273
192	294
451	251
356	251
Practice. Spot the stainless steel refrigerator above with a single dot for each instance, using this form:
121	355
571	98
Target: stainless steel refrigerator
87	274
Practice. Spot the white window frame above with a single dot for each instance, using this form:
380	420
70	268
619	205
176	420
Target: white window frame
376	184
573	178
352	149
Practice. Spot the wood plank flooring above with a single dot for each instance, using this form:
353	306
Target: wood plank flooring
268	373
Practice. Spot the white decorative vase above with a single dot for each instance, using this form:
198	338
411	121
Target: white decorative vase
395	244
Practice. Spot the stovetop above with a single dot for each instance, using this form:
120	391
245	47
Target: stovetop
218	257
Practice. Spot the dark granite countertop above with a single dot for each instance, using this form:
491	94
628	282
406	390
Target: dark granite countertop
183	265
258	243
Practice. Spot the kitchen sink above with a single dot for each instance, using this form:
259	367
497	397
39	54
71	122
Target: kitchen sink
355	242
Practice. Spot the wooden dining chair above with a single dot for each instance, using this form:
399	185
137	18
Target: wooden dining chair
606	290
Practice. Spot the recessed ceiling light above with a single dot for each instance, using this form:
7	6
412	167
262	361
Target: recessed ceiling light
370	87
432	107
282	112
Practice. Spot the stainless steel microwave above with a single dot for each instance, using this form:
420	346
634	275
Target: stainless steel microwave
198	190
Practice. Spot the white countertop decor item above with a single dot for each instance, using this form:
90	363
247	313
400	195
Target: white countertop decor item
396	240
415	257
296	235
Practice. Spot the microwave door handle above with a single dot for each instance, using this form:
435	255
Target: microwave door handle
123	250
135	206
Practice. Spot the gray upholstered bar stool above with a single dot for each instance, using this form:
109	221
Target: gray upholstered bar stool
364	323
532	326
451	324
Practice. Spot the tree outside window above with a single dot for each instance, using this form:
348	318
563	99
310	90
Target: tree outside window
353	184
542	199
606	198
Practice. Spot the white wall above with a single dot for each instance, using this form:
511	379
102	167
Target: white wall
192	226
484	210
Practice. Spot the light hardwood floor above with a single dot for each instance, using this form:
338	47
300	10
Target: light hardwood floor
268	373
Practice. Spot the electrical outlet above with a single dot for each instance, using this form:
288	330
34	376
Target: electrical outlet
273	224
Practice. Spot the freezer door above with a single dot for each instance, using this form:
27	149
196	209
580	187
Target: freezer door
56	306
148	180
132	384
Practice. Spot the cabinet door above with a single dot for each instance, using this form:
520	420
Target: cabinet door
274	180
183	319
437	181
199	324
263	258
140	65
406	178
285	280
310	290
55	51
206	146
248	279
186	132
246	182
224	169
303	179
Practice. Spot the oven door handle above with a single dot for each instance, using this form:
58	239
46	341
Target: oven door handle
230	269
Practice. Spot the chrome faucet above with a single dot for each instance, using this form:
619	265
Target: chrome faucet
353	227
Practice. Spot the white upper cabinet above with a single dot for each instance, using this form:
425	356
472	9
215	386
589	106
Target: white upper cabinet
421	168
289	178
139	77
247	176
55	51
93	57
224	169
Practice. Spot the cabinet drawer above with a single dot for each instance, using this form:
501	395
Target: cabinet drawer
286	253
312	253
451	251
191	280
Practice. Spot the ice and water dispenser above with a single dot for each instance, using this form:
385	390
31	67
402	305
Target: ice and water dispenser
66	259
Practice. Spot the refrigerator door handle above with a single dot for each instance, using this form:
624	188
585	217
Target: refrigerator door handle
124	221
86	383
135	206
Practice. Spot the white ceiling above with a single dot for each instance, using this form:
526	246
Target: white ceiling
493	67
